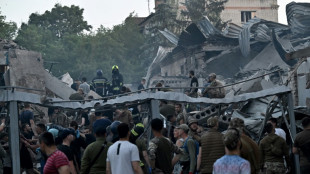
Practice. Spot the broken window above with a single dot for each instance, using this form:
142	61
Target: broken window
247	15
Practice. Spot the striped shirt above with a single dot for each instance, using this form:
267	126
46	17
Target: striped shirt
56	160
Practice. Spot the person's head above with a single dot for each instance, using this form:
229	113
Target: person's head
157	125
115	69
99	72
74	125
46	141
237	123
40	128
193	124
176	134
123	131
67	135
178	107
183	130
269	128
84	79
211	77
231	139
212	122
273	121
191	73
100	126
27	105
80	91
306	122
26	128
172	118
143	81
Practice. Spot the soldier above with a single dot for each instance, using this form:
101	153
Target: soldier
193	129
213	88
59	118
181	116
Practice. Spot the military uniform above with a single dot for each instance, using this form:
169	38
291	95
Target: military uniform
214	90
60	119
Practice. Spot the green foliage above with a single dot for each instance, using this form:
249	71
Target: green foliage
7	29
82	54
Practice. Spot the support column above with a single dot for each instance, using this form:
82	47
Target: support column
293	128
14	137
154	104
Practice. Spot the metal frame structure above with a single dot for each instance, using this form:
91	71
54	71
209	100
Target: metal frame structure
12	97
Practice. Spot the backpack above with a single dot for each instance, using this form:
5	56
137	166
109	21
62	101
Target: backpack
196	144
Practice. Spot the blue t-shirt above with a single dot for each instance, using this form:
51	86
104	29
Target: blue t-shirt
26	116
231	164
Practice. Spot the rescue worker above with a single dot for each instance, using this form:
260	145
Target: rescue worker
100	83
117	80
214	88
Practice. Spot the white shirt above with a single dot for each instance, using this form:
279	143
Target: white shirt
120	155
280	132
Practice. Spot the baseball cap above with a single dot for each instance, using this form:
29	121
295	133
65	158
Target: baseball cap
66	132
183	127
101	123
212	121
192	120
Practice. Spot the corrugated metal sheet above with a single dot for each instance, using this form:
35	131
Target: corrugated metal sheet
298	17
170	36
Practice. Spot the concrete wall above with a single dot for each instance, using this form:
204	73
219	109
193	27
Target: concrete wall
173	69
264	9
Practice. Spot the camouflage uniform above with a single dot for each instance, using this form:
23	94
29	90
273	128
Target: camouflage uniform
274	167
214	90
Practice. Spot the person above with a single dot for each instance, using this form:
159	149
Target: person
79	95
78	143
67	137
76	85
141	86
100	83
57	162
179	142
280	132
117	80
231	162
194	84
85	120
140	142
2	156
272	149
26	117
249	150
7	159
181	116
189	158
85	86
123	153
90	162
112	133
212	147
26	131
161	149
302	144
166	109
214	88
193	129
59	118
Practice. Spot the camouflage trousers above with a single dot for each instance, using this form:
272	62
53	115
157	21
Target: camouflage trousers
274	168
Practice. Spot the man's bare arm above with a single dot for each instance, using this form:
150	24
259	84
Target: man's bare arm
33	127
64	170
136	167
108	169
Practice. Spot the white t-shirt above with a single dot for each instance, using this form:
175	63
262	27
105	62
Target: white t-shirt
120	155
280	132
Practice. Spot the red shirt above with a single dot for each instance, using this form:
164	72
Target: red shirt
55	161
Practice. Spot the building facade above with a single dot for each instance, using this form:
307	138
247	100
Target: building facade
241	11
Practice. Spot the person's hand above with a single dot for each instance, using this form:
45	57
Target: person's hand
3	121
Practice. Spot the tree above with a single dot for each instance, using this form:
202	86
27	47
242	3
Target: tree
7	29
61	20
196	9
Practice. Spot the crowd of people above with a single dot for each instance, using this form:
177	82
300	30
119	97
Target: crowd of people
117	141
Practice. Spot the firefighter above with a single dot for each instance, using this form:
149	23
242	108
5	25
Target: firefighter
117	80
99	83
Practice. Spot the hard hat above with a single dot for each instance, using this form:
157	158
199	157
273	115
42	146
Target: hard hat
99	72
114	67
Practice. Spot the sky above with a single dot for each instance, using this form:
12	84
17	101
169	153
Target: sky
96	12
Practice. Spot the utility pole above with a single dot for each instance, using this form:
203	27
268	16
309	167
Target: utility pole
148	4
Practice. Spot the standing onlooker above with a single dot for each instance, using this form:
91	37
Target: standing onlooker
95	154
85	120
193	129
181	116
280	132
67	137
161	149
123	156
232	163
78	143
249	149
194	85
179	142
85	86
272	149
212	147
189	158
26	117
302	144
141	86
57	162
